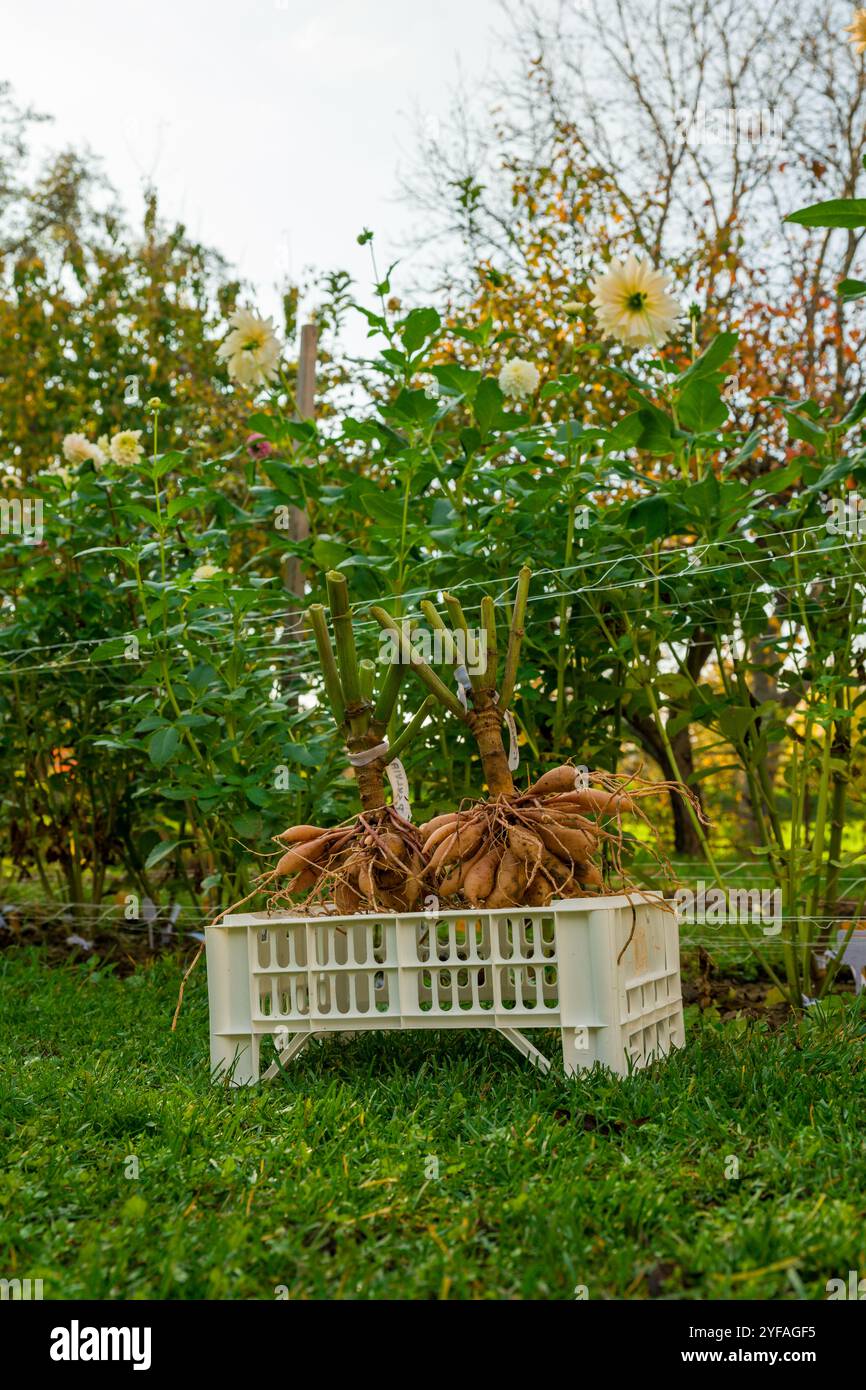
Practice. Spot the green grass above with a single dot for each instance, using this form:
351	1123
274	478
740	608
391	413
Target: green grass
317	1182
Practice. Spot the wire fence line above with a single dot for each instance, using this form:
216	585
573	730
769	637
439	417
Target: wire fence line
303	647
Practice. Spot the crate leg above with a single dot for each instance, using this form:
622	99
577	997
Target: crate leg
577	1050
237	1056
299	1041
528	1049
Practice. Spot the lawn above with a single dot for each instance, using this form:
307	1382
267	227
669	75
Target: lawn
416	1165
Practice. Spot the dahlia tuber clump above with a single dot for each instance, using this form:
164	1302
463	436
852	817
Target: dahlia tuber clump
373	862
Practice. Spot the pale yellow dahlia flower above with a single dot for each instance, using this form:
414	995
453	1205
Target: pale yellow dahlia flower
125	448
857	30
632	303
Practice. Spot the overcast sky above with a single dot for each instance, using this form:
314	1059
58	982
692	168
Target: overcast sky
273	128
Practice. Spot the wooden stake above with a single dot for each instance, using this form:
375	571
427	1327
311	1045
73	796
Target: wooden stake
299	522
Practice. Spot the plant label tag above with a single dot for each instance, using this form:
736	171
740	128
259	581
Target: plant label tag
396	774
854	955
513	749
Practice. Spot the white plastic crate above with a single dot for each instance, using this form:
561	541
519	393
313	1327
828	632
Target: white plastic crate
566	966
602	970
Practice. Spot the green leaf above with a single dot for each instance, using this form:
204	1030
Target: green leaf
858	409
452	377
713	359
657	431
418	326
489	401
413	405
734	721
851	289
625	434
778	479
384	508
178	505
701	408
833	473
704	496
837	212
799	427
328	554
747	448
650	514
300	753
163	745
115	646
160	852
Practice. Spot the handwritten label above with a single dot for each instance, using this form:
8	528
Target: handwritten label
513	749
396	773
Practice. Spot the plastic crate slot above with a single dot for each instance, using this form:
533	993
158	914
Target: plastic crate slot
506	938
526	937
323	995
482	945
320	939
547	932
379	943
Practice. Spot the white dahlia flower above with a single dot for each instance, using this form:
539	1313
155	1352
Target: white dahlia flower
518	379
632	303
251	349
77	448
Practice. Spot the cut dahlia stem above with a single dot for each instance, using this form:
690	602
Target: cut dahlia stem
350	687
487	677
387	701
515	638
437	622
333	688
341	617
459	623
367	678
